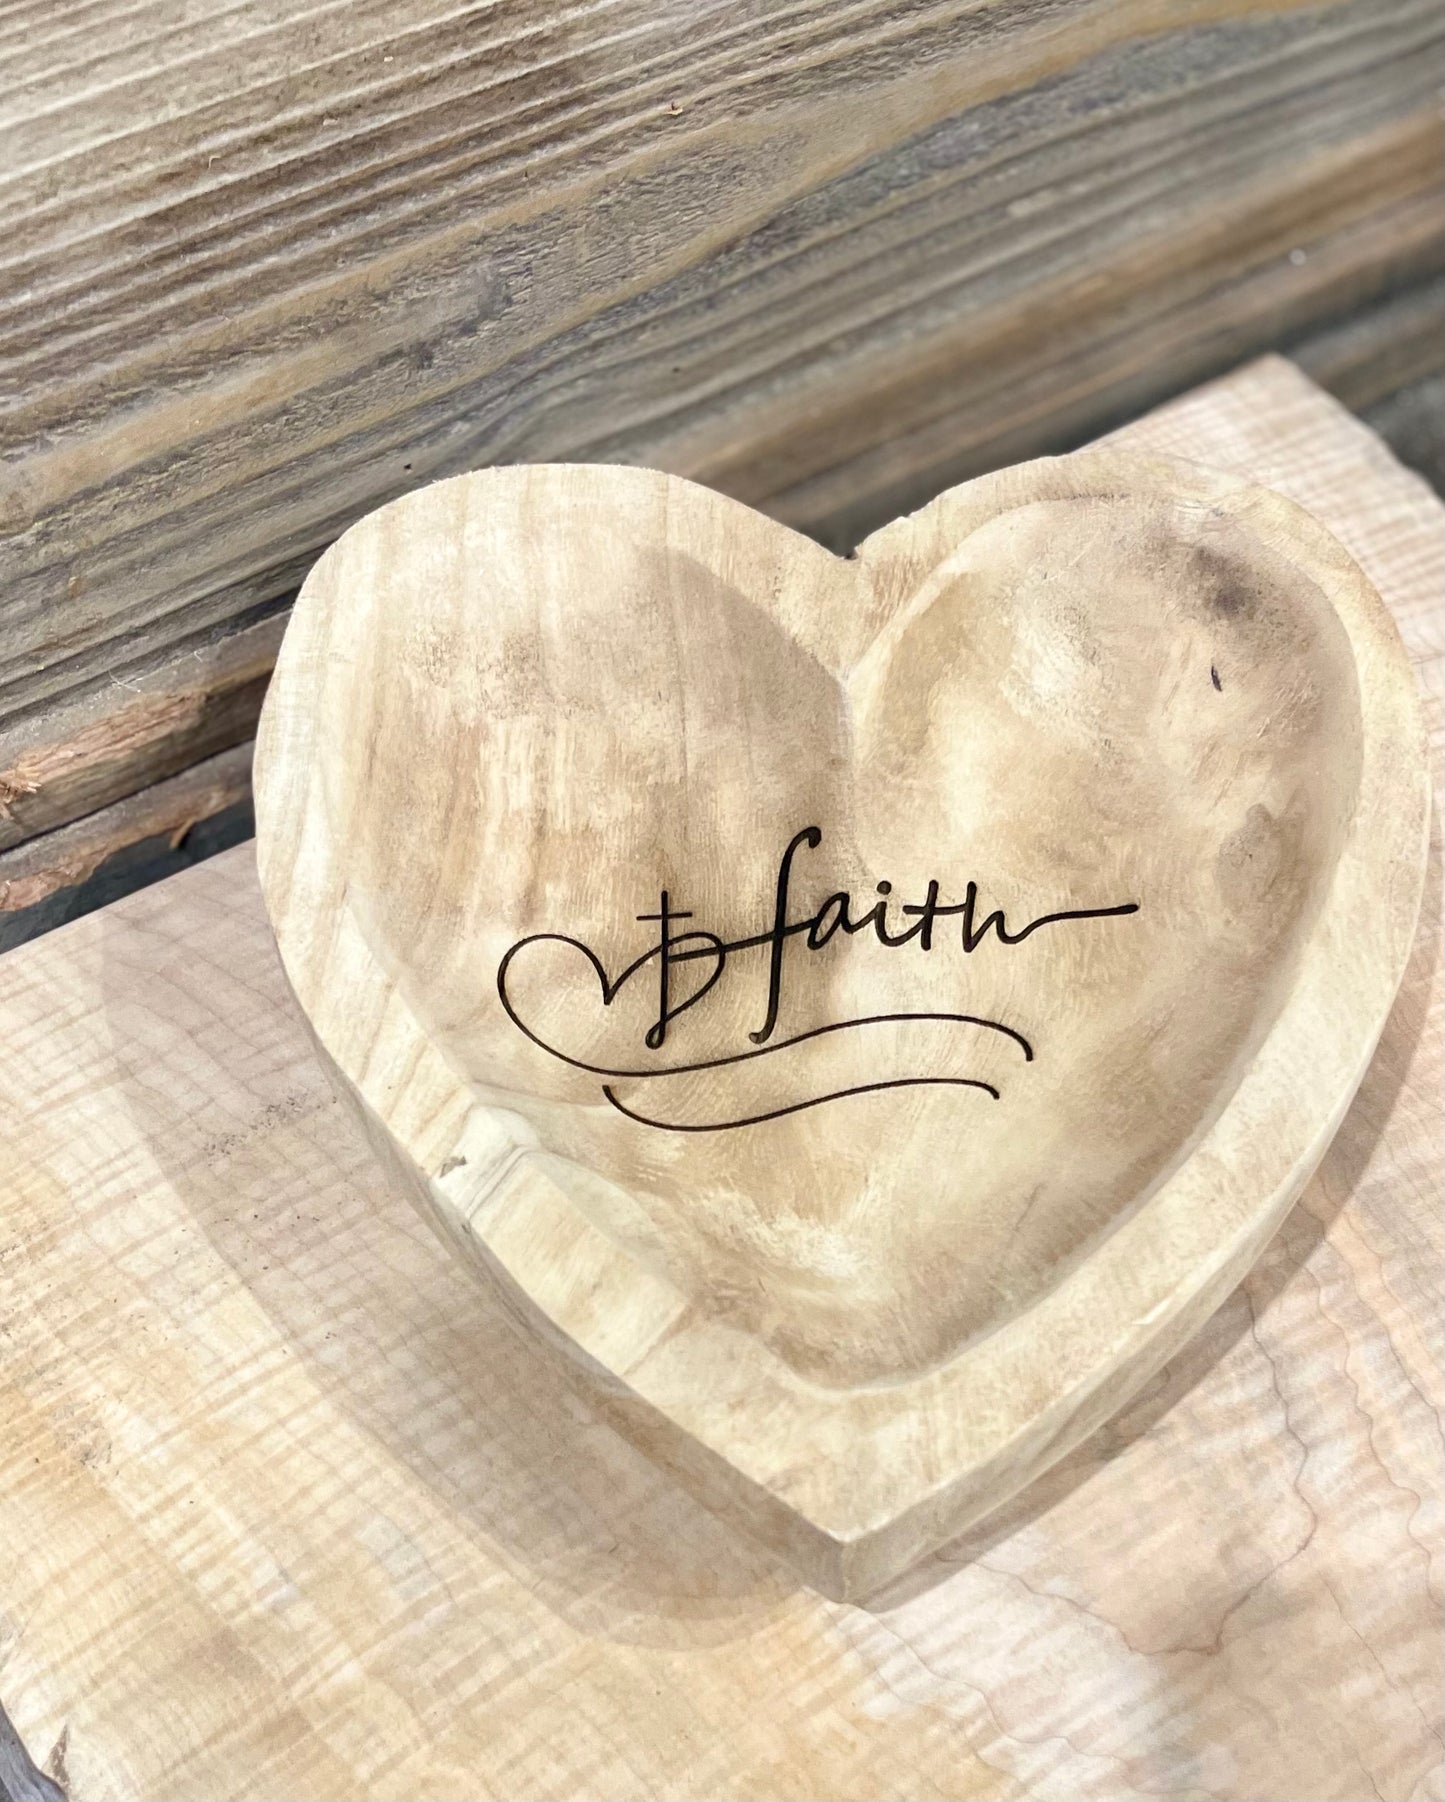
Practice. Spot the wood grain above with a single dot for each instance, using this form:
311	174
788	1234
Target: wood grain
111	741
133	732
267	266
107	744
42	878
857	1269
315	1523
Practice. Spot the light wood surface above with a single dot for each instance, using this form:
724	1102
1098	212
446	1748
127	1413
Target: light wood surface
285	1511
138	730
592	808
267	264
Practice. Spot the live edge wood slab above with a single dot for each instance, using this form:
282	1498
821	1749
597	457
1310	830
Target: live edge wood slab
287	1509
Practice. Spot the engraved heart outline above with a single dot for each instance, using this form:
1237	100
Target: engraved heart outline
610	985
863	1481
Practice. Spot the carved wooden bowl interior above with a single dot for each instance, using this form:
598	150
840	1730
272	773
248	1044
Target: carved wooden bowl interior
864	1012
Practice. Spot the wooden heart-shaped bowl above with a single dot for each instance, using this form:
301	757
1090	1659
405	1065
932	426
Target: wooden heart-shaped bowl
865	1012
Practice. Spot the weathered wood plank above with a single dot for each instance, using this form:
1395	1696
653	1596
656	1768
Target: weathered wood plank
1378	350
102	748
50	879
264	268
1044	365
1412	422
128	730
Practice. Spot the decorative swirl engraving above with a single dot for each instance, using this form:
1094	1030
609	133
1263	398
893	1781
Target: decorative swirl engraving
817	929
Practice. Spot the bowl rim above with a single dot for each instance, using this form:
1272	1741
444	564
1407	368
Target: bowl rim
855	1485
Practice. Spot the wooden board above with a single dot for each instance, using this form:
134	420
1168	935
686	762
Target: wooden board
73	761
108	754
144	836
285	1510
267	266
